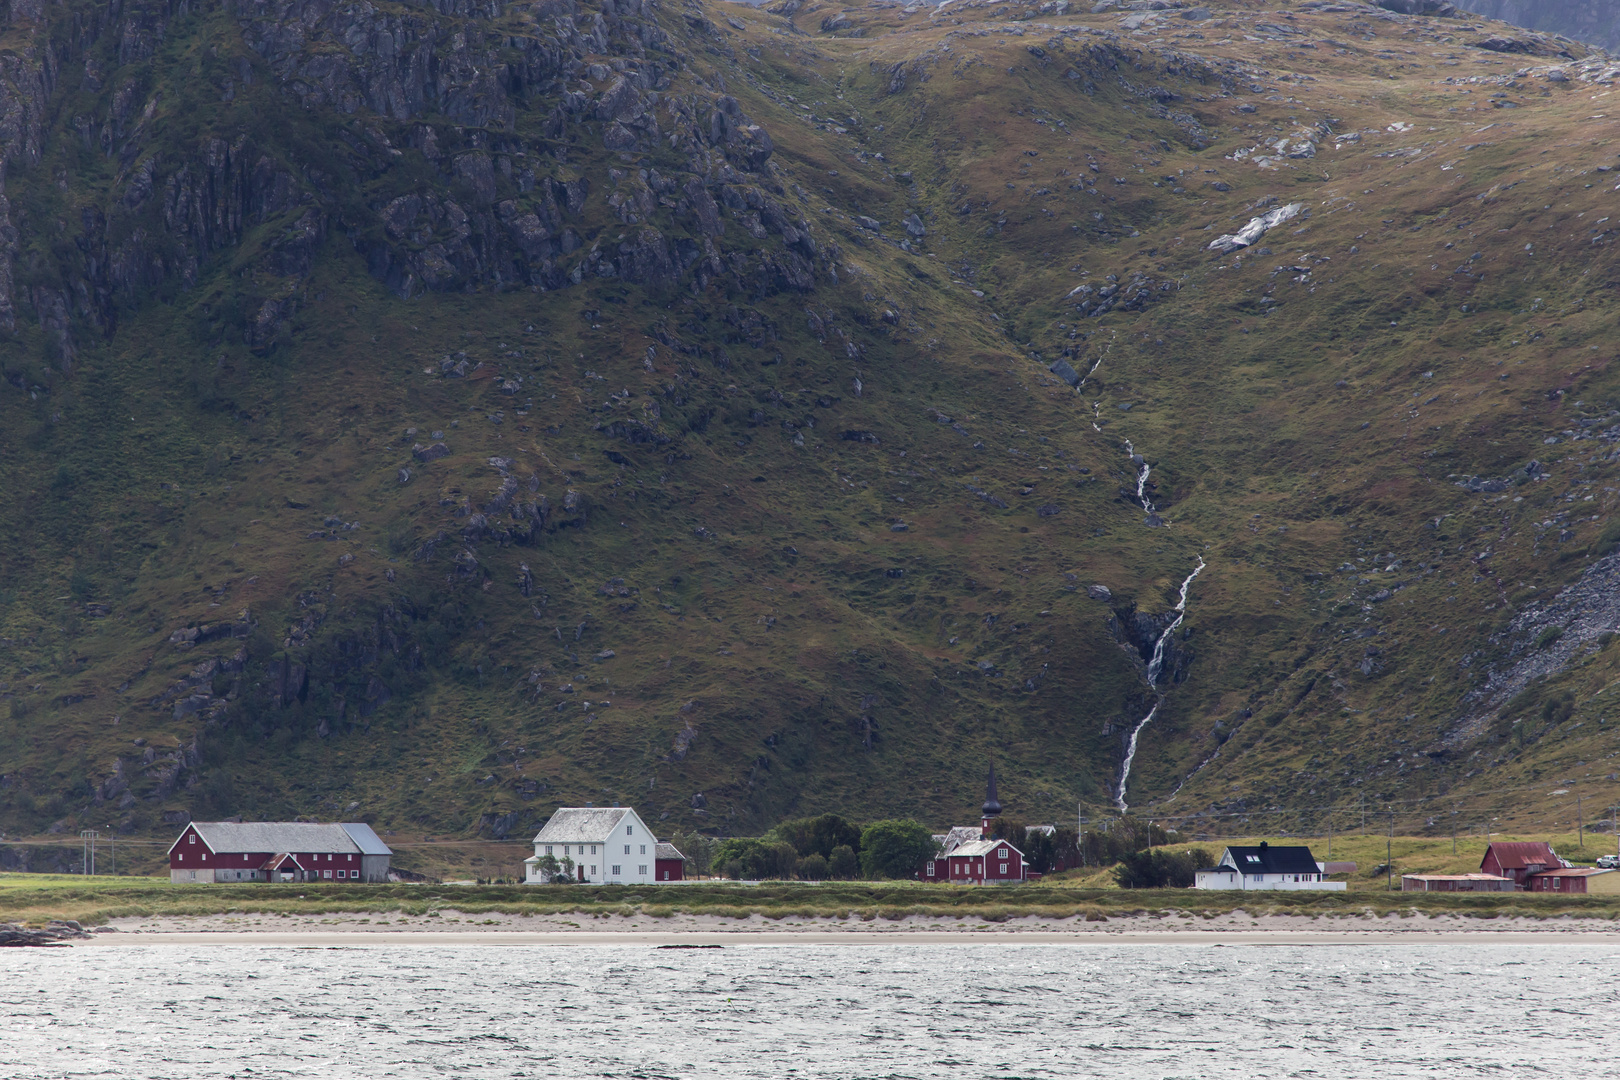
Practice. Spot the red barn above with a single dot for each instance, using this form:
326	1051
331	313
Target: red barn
668	863
232	851
1519	860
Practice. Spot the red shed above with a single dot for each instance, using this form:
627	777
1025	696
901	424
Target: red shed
668	863
1576	879
1519	860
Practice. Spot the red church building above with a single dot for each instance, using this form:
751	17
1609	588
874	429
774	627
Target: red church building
983	861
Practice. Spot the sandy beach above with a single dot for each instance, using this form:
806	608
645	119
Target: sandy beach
449	927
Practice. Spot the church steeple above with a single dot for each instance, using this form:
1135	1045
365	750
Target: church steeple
992	805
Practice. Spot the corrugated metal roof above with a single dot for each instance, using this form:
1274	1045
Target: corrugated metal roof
1574	871
1521	854
1456	877
581	825
369	842
254	836
667	851
984	847
1271	859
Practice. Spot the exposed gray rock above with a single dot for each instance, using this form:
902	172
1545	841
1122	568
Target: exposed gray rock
426	454
1258	227
1100	592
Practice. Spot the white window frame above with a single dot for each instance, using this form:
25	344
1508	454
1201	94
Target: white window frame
616	872
641	870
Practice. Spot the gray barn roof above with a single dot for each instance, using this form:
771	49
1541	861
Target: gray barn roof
667	851
581	825
293	836
367	840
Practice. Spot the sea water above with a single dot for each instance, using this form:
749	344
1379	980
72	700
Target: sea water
881	1011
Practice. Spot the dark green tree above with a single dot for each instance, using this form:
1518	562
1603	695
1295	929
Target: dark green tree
895	849
843	864
818	835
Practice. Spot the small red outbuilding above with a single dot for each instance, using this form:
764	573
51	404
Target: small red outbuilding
668	863
1519	860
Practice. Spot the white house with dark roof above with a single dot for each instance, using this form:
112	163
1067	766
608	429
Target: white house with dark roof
602	846
1266	867
277	851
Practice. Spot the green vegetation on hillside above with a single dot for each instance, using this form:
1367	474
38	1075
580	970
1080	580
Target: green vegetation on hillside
666	404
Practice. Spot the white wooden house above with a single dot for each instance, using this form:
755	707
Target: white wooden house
595	845
1266	867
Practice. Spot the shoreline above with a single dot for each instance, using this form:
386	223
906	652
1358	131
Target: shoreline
450	927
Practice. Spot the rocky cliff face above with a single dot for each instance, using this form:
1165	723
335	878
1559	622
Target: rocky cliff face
1594	21
453	144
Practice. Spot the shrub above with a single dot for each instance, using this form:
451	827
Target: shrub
1549	635
1159	868
812	868
843	864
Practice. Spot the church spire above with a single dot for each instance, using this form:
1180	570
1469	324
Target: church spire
992	805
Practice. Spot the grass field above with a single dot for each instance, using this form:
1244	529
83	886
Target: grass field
35	898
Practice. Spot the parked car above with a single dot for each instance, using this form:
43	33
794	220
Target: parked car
1609	862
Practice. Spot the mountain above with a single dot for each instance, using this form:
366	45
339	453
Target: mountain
434	413
1593	21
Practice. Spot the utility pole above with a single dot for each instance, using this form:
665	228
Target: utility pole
87	842
1363	813
1389	855
1080	834
1330	833
1580	825
1454	832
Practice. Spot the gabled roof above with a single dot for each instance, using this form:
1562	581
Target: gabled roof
582	825
223	837
667	851
1268	859
957	836
1522	854
984	847
367	840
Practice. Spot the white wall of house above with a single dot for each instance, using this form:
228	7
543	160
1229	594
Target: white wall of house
626	856
1266	882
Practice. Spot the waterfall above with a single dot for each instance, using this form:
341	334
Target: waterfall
1154	669
1142	471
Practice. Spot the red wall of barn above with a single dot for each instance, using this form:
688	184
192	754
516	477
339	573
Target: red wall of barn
190	856
675	868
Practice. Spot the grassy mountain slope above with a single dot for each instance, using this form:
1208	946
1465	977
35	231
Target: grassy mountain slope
758	493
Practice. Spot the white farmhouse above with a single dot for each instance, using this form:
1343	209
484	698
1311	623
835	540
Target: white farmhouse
601	846
1266	867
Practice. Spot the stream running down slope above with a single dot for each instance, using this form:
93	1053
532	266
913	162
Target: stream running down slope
1154	668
